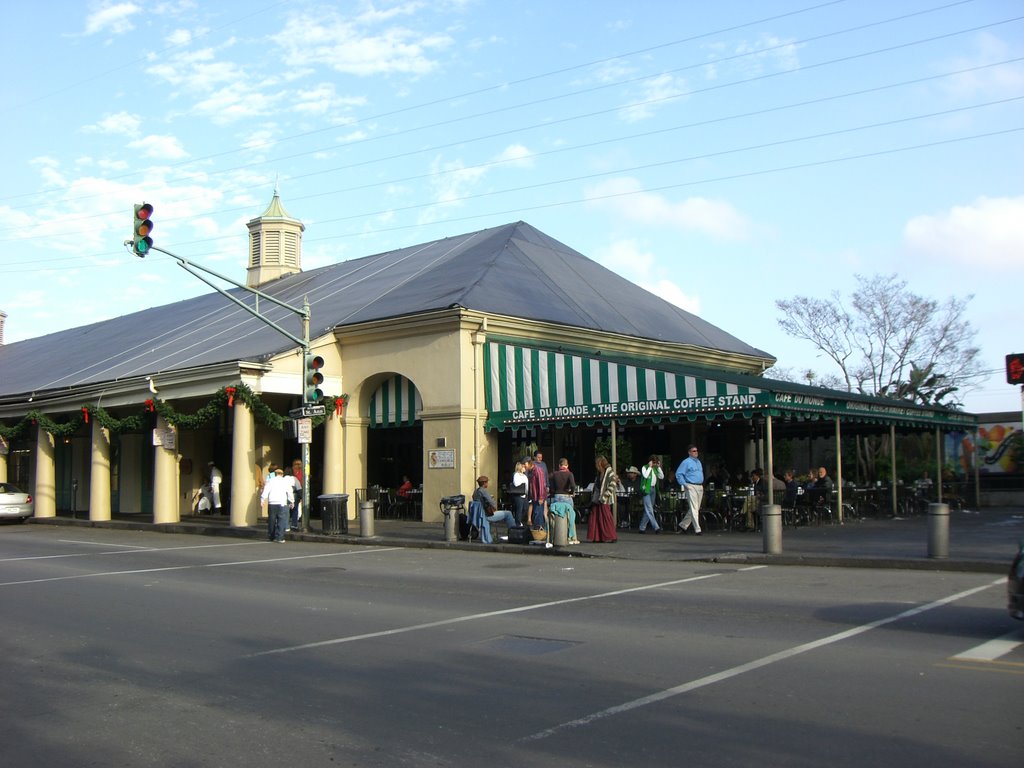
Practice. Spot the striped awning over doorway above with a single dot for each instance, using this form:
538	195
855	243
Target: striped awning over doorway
396	403
527	386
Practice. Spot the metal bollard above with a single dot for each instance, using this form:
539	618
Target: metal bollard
938	531
771	528
366	510
559	531
451	524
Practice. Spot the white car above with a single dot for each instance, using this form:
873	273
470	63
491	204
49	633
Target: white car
14	503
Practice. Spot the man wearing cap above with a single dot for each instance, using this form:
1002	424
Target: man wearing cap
279	497
632	482
493	514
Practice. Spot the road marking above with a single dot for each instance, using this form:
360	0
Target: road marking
993	649
195	567
476	617
753	665
120	551
102	544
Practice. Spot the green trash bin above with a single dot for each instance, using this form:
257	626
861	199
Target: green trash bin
334	513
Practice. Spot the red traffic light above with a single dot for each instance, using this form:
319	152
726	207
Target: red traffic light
1015	369
141	229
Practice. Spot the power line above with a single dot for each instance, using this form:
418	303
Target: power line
576	201
617	83
610	110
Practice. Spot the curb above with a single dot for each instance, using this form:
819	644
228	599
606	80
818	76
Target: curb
816	561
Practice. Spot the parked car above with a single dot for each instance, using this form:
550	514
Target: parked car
14	503
1015	585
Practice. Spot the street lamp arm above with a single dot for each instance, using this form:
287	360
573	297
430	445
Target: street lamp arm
184	263
188	267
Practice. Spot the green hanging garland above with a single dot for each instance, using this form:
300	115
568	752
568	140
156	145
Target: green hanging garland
222	400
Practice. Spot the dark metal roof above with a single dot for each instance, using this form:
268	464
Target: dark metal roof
512	270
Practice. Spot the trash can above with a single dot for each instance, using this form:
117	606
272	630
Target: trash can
334	513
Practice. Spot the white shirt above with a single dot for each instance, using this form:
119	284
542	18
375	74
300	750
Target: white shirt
278	490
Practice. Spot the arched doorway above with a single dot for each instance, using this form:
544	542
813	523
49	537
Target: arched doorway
395	434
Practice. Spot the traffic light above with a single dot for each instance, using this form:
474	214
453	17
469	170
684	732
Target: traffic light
1015	369
143	225
313	378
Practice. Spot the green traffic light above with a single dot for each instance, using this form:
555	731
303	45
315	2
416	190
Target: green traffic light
141	228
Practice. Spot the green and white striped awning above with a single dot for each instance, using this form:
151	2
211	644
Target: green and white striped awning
396	403
527	386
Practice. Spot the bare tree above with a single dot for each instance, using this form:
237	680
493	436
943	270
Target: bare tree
889	341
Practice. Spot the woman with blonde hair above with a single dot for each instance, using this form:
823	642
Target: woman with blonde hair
601	521
517	490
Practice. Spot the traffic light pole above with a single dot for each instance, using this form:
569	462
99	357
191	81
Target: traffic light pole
197	270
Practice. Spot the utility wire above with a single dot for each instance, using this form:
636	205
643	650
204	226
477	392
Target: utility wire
598	113
618	83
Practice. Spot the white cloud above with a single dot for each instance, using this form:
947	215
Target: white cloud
654	93
623	198
114	18
330	40
516	155
628	259
992	82
160	147
236	102
121	123
179	37
322	99
989	233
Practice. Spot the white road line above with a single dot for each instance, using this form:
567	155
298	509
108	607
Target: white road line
190	567
102	544
123	551
756	664
993	649
475	617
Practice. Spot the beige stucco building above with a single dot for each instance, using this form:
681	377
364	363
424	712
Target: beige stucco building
442	361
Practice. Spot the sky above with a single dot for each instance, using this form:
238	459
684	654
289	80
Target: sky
721	155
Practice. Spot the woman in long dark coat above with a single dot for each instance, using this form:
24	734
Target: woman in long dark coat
601	521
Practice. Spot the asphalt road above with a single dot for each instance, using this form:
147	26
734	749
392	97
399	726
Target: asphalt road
127	648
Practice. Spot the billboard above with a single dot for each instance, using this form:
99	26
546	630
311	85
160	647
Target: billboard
999	449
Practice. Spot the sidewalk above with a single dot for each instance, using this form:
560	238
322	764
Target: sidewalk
984	541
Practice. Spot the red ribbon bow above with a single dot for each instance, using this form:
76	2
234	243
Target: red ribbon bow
85	414
149	406
231	396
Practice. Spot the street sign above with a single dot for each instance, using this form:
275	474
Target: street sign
308	411
304	431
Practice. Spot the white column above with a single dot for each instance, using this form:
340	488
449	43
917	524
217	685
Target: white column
165	478
334	478
45	495
245	505
99	473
